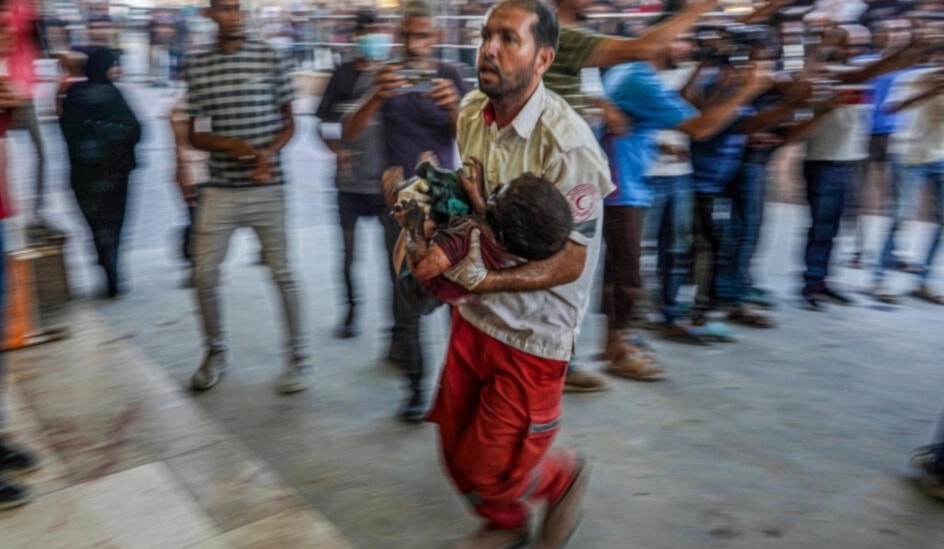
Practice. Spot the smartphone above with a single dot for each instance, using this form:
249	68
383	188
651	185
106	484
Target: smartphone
417	80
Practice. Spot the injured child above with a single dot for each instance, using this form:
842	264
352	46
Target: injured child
527	219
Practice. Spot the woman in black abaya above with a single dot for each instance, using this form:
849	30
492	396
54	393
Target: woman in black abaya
101	132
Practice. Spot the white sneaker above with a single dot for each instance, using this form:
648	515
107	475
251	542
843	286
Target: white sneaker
295	378
208	374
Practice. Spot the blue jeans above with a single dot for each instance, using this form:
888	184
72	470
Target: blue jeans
671	215
747	192
908	183
826	187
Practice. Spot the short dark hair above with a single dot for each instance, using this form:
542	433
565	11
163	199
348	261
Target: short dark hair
546	30
530	218
417	8
364	18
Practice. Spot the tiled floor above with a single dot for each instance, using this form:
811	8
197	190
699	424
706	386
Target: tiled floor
129	460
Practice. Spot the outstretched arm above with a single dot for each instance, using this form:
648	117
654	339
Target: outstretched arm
613	50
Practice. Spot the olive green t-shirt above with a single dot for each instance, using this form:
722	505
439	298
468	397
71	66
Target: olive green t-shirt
575	47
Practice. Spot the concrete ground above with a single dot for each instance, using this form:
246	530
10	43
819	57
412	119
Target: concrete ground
792	437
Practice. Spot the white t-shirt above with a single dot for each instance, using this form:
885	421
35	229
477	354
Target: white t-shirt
844	134
675	147
549	139
918	137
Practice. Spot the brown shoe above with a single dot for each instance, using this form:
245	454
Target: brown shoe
637	365
493	538
925	293
581	381
564	515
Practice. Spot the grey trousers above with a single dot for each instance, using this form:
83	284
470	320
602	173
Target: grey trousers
219	213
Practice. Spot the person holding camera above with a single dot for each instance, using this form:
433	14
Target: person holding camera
359	162
836	140
417	101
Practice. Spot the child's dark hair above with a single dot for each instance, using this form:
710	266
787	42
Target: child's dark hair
530	218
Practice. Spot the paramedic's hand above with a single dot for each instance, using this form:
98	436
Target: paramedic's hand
470	271
473	184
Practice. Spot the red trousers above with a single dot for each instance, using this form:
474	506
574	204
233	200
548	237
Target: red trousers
498	411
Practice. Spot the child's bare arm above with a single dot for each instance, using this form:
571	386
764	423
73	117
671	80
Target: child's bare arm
428	265
427	260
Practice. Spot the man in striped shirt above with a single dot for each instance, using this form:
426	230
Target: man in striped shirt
240	102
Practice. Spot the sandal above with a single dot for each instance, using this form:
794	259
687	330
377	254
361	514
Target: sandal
637	365
925	293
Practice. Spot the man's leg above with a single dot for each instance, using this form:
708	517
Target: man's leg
218	214
396	353
676	247
622	283
747	210
826	184
27	115
928	462
703	253
498	411
11	458
935	175
347	216
266	215
906	186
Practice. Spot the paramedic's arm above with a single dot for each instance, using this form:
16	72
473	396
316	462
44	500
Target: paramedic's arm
562	268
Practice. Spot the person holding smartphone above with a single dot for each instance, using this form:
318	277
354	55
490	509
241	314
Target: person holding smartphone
417	101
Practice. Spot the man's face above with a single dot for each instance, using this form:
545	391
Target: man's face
419	35
509	60
228	16
100	32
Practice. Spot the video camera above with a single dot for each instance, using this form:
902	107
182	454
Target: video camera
729	44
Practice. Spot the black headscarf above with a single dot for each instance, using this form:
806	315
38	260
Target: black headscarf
100	60
99	127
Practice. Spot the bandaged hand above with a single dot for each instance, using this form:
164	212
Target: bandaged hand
470	271
415	189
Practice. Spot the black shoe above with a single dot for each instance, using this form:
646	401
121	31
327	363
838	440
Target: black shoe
810	298
348	328
11	495
414	410
815	294
17	460
834	296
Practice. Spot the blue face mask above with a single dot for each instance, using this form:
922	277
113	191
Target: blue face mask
374	46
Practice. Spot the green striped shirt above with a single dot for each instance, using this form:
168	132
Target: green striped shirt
574	49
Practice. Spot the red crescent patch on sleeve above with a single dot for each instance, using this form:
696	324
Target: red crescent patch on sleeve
583	200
